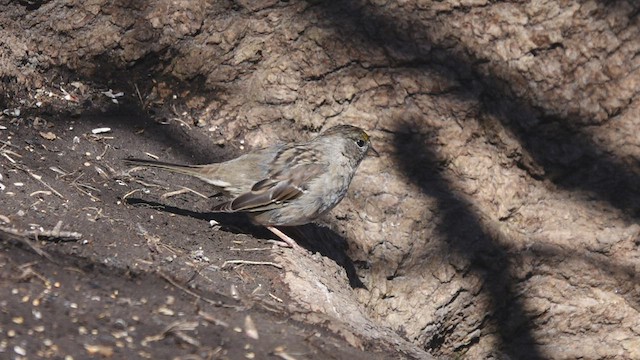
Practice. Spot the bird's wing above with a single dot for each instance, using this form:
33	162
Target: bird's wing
280	187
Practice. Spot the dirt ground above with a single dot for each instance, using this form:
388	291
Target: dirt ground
145	279
500	221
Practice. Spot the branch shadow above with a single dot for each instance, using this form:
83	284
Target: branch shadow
561	149
467	237
311	237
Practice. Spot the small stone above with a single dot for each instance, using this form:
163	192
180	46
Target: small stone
166	311
20	350
48	135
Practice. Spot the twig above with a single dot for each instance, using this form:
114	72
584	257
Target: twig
39	178
207	300
182	122
28	272
103	174
8	234
98	214
212	319
182	191
49	235
11	152
35	176
139	95
79	187
58	170
106	147
154	157
146	184
9	144
125	196
275	298
279	352
249	262
177	329
4	153
40	192
250	249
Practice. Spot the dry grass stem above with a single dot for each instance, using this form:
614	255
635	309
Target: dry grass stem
249	262
182	191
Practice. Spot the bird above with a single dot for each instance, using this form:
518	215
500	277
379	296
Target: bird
285	184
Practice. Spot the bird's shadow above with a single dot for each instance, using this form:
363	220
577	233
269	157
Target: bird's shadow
311	237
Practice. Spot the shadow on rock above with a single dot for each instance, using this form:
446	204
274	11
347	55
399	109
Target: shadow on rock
465	235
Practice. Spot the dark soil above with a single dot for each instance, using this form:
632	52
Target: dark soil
148	278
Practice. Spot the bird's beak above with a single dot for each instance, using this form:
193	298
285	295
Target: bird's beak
373	152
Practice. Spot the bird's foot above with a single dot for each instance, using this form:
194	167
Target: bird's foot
287	241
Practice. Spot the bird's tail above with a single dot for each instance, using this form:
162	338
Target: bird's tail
207	173
193	170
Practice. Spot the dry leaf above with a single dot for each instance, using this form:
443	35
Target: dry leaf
105	351
48	135
250	328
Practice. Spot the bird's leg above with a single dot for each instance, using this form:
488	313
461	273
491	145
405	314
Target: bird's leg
288	241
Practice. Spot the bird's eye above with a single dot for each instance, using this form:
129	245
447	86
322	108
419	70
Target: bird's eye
360	143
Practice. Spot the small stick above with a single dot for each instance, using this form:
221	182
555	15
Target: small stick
9	144
283	355
212	302
12	234
212	319
130	193
154	157
146	184
4	153
50	235
58	170
176	328
12	153
79	186
249	262
106	147
39	178
139	95
182	191
251	249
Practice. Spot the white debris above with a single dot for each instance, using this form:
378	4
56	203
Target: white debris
20	350
11	112
101	130
113	96
250	328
